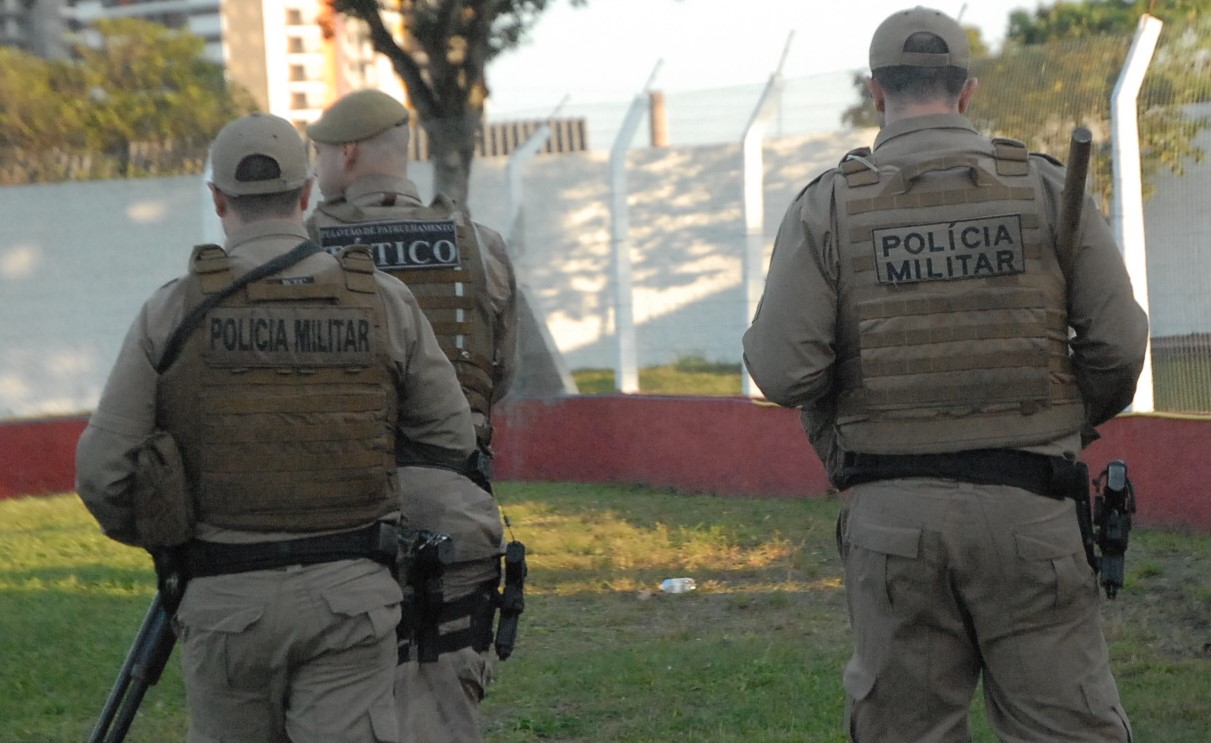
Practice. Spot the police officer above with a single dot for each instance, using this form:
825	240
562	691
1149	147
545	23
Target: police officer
947	355
464	281
288	402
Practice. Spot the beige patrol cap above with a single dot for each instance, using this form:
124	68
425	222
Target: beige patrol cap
356	116
887	45
258	134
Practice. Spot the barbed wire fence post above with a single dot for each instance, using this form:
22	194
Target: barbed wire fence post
752	143
1128	210
626	368
542	370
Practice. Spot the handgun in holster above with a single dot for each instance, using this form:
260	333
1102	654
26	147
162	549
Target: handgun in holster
512	599
424	556
1106	521
1112	510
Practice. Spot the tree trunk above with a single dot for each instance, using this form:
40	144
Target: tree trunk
452	147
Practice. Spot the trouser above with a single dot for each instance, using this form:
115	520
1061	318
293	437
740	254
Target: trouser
949	582
439	702
300	654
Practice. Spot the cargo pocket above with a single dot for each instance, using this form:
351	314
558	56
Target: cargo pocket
871	565
1056	575
384	724
379	608
858	682
213	640
1102	702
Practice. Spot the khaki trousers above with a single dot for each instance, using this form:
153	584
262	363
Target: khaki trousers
439	702
949	583
303	654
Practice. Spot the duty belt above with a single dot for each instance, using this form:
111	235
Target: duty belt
377	542
1053	477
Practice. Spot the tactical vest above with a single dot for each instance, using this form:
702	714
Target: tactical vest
435	251
952	329
283	399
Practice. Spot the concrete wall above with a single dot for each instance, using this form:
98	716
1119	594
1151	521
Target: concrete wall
77	260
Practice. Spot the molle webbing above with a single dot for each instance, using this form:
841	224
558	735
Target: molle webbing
954	303
455	300
284	401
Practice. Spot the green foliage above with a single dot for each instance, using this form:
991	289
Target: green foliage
1071	20
1077	50
1058	68
690	375
151	83
755	654
141	100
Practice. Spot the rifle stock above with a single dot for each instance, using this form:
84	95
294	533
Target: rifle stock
142	669
1079	148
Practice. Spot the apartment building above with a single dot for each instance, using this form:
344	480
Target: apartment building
295	56
40	27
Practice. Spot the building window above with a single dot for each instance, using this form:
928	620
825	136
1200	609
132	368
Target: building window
295	45
298	101
294	17
297	73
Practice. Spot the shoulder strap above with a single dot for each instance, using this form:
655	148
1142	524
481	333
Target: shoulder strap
179	335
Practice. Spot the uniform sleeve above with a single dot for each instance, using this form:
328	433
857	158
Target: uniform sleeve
789	348
1110	330
125	415
502	289
434	418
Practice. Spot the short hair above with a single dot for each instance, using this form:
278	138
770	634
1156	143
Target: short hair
922	83
262	206
389	146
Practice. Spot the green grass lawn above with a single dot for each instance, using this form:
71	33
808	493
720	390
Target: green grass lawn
755	654
688	376
1182	385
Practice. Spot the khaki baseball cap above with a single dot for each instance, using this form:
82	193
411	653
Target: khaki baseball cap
887	45
258	134
356	116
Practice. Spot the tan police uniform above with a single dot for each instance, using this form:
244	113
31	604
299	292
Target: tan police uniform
918	311
289	401
463	279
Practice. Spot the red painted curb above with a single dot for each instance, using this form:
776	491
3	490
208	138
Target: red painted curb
39	456
728	446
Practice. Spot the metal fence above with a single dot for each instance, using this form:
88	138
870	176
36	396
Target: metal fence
1037	95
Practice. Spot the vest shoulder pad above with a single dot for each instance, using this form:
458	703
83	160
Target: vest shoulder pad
1049	158
857	152
1009	149
359	268
442	201
1011	156
207	258
447	206
209	263
858	167
342	210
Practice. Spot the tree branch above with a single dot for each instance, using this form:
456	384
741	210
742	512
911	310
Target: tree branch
420	93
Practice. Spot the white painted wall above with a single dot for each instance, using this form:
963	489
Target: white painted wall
77	260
